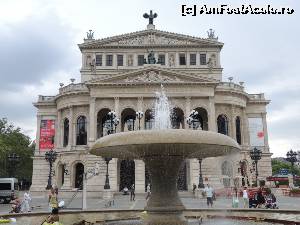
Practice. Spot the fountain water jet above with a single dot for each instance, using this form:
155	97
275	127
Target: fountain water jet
163	151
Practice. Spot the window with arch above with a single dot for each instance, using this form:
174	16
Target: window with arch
177	118
149	120
128	117
66	132
222	123
81	131
103	123
200	121
238	130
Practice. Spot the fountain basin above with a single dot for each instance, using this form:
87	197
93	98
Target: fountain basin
163	152
168	142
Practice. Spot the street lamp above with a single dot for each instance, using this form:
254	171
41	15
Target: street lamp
139	115
114	121
200	185
14	159
255	155
291	156
192	118
107	186
50	157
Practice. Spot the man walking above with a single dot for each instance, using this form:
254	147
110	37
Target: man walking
245	198
209	191
26	200
148	191
132	193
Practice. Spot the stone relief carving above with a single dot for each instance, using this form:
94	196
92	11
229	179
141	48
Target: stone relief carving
150	40
212	62
152	76
171	60
130	60
90	62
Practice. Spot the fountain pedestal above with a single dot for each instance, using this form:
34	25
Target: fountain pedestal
164	206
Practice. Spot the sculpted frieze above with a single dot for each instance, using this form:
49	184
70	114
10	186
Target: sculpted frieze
151	39
152	76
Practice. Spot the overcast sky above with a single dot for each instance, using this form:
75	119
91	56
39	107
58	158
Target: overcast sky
38	50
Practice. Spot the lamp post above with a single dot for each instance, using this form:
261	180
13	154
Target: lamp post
114	121
255	155
191	118
139	116
107	186
50	157
13	159
291	156
200	185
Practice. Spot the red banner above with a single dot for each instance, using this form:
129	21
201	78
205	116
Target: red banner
47	133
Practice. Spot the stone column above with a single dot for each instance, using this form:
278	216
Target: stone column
187	110
139	176
71	127
59	131
92	123
232	123
140	108
212	114
176	59
245	126
38	130
118	113
266	141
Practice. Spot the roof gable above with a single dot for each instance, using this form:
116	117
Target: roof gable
150	38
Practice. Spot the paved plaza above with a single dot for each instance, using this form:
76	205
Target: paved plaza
39	203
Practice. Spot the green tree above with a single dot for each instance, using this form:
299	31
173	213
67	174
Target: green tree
12	140
277	165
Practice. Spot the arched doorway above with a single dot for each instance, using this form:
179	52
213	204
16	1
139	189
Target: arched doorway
127	174
128	116
81	131
66	132
182	177
177	118
149	119
227	173
201	119
103	122
79	172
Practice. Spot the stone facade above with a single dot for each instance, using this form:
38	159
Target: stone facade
114	76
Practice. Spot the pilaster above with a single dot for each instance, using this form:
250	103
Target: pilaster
187	110
245	127
232	122
118	113
38	130
212	114
71	127
92	123
57	139
266	141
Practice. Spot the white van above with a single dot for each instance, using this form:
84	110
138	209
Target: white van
9	189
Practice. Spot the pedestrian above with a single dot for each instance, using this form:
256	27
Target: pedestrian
209	192
245	197
194	190
52	200
53	218
132	193
260	199
148	191
26	202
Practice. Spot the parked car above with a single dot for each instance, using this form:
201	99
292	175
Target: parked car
9	189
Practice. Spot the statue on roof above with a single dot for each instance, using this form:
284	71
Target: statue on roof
211	34
150	16
151	58
90	35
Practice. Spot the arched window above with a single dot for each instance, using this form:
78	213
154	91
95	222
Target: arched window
103	122
79	173
81	134
222	123
128	119
149	120
200	120
238	130
66	132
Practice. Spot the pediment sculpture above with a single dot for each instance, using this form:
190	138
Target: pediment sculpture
152	76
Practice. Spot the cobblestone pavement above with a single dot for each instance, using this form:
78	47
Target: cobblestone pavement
123	202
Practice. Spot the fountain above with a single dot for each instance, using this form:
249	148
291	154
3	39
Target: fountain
163	150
